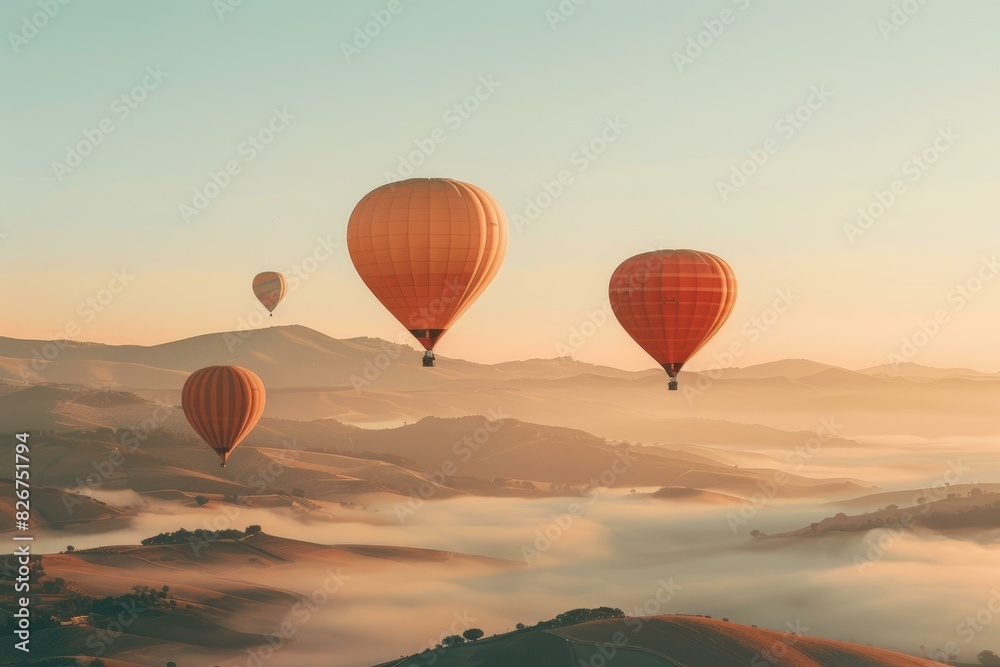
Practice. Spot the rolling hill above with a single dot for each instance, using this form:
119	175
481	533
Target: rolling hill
661	641
370	381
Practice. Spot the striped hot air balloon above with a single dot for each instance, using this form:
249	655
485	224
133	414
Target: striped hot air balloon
671	302
427	248
223	404
270	287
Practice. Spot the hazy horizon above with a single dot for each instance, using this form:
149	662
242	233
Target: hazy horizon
708	363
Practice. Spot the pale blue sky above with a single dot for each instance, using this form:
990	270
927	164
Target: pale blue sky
656	186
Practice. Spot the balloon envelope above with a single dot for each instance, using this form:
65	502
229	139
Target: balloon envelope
427	248
223	404
270	287
672	302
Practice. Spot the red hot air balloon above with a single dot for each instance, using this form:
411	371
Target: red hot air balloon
270	287
223	403
427	248
672	302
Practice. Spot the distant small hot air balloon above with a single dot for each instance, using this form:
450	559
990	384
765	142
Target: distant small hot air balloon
222	404
427	248
270	287
672	302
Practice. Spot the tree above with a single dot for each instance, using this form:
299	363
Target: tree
201	500
253	529
988	658
472	634
453	640
171	664
519	626
70	549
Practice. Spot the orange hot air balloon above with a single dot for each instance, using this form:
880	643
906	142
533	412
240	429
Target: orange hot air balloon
270	287
672	302
223	403
427	248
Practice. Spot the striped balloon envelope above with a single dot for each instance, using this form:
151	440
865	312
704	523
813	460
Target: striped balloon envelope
427	248
270	287
223	404
671	302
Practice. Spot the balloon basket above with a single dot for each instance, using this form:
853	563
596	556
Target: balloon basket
673	385
428	361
